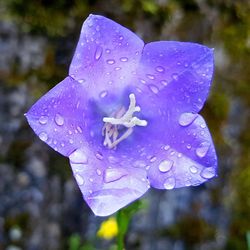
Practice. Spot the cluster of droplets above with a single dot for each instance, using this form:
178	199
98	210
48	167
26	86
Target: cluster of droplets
60	122
195	174
117	64
186	119
43	120
79	161
158	80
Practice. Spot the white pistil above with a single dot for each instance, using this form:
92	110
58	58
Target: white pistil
110	129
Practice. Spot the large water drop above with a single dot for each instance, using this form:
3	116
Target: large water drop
59	120
43	136
193	169
186	119
43	119
202	150
208	173
113	174
78	156
79	179
169	183
165	165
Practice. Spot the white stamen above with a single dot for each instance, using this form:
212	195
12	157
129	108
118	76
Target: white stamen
110	129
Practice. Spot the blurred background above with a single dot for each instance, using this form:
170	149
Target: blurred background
40	204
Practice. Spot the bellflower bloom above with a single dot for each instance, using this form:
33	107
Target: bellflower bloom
127	115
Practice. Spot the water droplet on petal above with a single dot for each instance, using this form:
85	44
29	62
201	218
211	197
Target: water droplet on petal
172	152
179	155
98	53
79	129
81	80
151	77
175	77
165	165
152	159
108	51
187	118
193	169
123	59
99	156
103	94
203	125
203	149
59	120
43	119
166	147
97	27
117	68
90	24
113	174
169	183
164	83
98	171
110	61
189	146
79	179
43	136
208	173
142	81
153	88
78	156
188	183
160	69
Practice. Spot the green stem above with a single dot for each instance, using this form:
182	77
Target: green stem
122	221
120	242
123	217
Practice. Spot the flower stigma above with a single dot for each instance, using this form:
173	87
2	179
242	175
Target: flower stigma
121	118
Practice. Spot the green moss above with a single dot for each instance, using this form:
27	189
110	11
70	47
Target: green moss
192	229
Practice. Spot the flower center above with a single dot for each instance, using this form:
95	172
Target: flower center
121	118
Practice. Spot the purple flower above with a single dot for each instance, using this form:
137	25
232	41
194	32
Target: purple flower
127	115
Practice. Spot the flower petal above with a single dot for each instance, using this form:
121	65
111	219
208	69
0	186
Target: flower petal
59	118
106	189
106	56
188	156
181	71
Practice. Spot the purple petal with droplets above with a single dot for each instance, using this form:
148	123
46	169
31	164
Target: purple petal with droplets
190	154
106	56
60	117
106	189
183	71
